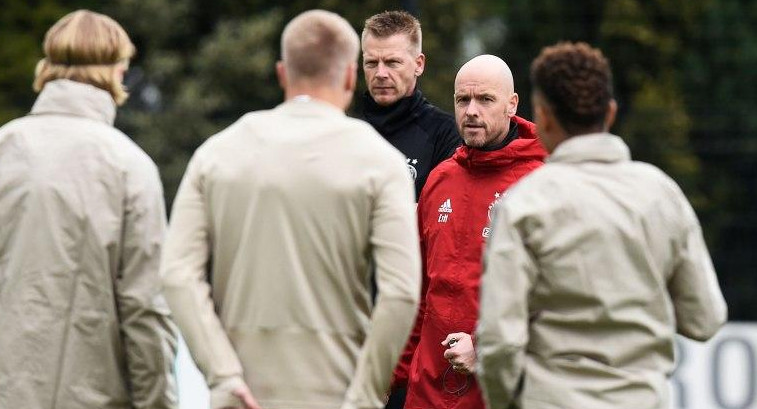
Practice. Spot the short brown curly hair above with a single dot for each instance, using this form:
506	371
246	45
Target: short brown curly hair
576	81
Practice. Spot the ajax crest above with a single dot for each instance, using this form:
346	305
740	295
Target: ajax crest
497	197
411	167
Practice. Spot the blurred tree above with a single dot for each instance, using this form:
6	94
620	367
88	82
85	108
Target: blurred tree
23	25
680	73
192	78
719	92
684	77
653	117
202	64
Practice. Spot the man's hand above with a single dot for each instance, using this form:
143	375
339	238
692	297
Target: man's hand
245	397
460	352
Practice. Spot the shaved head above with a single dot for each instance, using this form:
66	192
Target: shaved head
485	101
488	67
317	46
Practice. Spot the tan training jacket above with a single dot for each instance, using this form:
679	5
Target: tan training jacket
82	218
285	209
594	263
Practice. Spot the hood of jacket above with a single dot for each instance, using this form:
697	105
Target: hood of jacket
525	147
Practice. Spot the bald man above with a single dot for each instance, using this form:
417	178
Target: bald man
454	212
291	204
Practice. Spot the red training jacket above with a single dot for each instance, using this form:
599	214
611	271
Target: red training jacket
454	211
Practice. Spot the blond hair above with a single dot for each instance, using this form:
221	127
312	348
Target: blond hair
389	23
319	45
87	47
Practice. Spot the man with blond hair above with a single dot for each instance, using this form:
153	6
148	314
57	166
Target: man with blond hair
393	61
394	105
82	220
292	205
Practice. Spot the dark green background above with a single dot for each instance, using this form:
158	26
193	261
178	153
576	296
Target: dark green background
685	78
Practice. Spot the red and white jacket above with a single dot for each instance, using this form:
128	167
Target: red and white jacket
454	211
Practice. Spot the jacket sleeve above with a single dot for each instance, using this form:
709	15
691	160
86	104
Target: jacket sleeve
502	331
401	373
394	241
185	284
149	335
700	309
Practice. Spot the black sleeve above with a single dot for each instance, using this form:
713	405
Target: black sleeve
447	140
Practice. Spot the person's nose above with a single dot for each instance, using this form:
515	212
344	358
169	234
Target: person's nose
381	70
472	109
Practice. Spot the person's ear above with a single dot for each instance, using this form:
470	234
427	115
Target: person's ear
350	77
512	105
540	114
281	74
544	116
420	64
612	110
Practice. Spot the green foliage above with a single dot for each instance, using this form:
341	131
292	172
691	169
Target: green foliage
219	63
644	41
684	75
720	96
684	79
22	28
236	82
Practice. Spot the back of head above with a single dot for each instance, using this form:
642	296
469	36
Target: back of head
317	46
86	47
389	23
576	81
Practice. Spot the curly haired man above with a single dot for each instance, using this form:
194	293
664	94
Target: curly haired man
595	261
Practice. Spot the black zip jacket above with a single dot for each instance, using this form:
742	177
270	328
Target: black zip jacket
425	134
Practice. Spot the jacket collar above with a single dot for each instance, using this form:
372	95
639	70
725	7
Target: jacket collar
392	118
306	106
66	97
596	147
524	147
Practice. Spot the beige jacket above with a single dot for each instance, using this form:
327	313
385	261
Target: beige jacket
267	259
82	218
594	264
